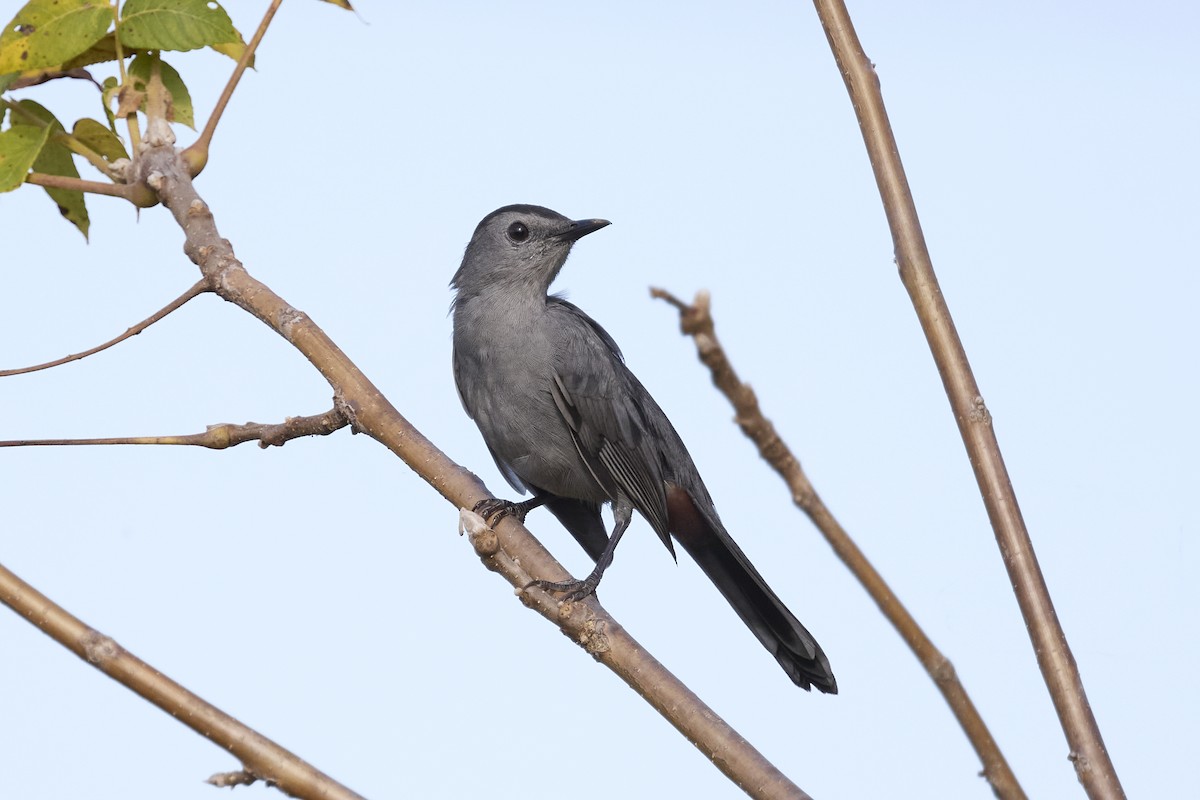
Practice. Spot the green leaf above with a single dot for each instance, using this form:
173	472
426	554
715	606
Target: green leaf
36	110
101	50
99	138
48	32
175	24
19	148
55	158
181	100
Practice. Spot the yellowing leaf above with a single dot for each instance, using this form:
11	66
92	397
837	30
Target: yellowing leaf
99	138
104	49
234	50
46	33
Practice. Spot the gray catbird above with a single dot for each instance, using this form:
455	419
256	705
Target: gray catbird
566	419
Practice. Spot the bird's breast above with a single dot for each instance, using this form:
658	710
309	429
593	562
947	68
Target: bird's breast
505	370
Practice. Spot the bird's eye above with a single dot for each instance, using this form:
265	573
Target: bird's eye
518	232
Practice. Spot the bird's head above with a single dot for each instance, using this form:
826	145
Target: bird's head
520	248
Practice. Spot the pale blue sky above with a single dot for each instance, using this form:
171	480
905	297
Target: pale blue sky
320	593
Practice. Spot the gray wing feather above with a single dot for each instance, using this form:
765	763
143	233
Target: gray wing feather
578	426
597	396
645	491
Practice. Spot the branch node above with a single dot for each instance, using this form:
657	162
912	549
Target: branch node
592	635
241	777
288	319
159	133
486	544
99	649
121	169
979	412
346	408
483	538
218	437
942	671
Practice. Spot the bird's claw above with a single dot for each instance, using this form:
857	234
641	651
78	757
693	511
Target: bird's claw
494	509
572	591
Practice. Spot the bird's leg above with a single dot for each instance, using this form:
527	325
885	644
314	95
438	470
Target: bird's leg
494	509
577	590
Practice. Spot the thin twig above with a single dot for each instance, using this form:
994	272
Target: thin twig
197	288
135	134
258	754
218	437
196	154
123	191
696	321
79	148
1093	766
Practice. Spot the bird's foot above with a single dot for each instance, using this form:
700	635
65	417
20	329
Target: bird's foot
494	509
572	591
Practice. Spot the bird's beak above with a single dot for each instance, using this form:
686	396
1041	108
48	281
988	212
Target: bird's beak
580	228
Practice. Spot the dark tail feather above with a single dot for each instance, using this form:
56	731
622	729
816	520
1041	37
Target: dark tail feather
583	520
763	612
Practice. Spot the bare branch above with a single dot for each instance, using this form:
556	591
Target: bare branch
218	437
696	321
258	754
1093	766
123	191
198	288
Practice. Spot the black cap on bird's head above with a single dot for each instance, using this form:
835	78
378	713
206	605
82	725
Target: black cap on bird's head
519	245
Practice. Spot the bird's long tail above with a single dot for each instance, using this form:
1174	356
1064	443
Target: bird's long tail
707	541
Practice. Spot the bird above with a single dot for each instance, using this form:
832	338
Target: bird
567	421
